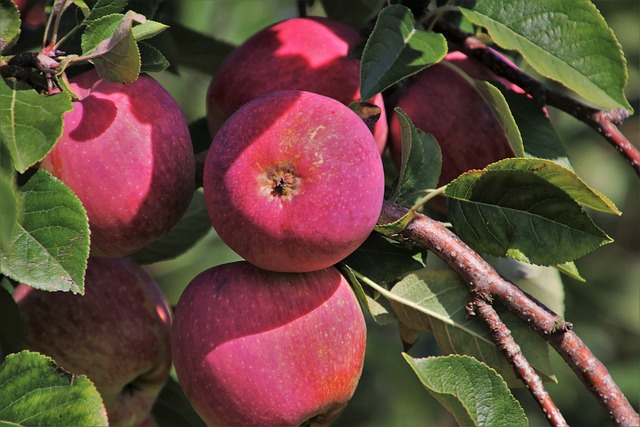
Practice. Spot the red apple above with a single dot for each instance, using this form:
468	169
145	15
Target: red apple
126	153
31	13
444	102
257	348
293	181
310	54
117	333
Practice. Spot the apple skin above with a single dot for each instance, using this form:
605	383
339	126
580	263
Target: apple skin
442	102
257	348
31	13
118	334
126	153
293	181
310	54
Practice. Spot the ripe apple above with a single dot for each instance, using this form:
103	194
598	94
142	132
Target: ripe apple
444	102
117	333
293	181
310	54
254	347
126	153
31	13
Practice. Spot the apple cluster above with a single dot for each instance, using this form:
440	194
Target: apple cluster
293	182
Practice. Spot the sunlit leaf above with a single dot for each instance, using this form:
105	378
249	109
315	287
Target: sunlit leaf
567	41
30	123
35	392
49	250
471	391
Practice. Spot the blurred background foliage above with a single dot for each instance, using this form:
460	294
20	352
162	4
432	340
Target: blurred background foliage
605	310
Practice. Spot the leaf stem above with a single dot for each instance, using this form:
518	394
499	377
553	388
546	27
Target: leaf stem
432	194
602	121
485	282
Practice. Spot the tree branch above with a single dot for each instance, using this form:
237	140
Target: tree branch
523	369
486	283
603	121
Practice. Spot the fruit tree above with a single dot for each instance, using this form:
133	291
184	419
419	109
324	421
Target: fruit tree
319	212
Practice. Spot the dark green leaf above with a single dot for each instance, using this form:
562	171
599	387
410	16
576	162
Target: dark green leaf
395	50
9	24
193	226
11	325
103	8
152	60
195	50
35	392
50	248
471	391
436	300
519	214
356	13
539	136
146	7
172	408
567	41
421	163
381	260
30	123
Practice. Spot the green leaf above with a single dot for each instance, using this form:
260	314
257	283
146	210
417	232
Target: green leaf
172	408
382	260
196	50
519	214
395	227
193	226
567	41
50	248
396	49
355	13
30	123
9	24
436	301
570	269
379	313
82	5
35	392
539	136
494	98
10	210
148	29
103	8
420	165
110	42
11	325
563	178
471	391
152	60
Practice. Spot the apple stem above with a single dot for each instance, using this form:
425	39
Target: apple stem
602	121
485	283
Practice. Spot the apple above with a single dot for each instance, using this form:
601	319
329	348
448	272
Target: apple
310	54
126	153
31	13
293	181
256	348
444	102
117	333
